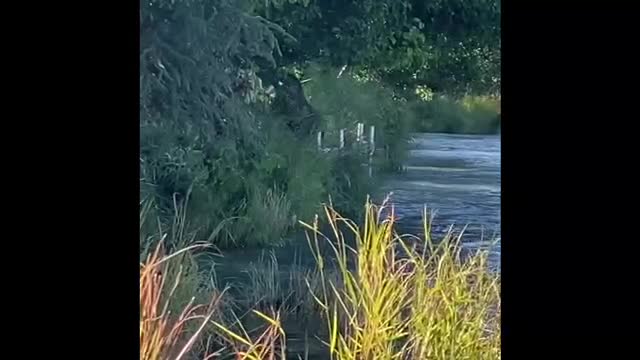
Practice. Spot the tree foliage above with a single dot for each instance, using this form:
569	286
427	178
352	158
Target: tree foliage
197	127
449	45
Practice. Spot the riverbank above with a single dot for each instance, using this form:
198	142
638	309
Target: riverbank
467	115
401	302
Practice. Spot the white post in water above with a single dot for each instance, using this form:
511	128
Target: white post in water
341	138
372	139
372	148
319	140
359	133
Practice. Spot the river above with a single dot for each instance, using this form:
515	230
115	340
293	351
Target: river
458	177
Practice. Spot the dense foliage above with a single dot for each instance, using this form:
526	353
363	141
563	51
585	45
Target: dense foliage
448	46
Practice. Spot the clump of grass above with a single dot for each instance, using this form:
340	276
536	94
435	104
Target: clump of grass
162	335
183	313
286	290
396	301
264	288
271	214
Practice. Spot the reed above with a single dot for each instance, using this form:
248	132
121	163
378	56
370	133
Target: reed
402	297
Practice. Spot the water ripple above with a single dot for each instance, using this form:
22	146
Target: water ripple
459	177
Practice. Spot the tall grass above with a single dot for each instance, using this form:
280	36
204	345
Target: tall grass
400	301
185	315
468	115
162	335
269	344
381	295
252	170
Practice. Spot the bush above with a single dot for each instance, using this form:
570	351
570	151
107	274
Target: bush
354	98
259	188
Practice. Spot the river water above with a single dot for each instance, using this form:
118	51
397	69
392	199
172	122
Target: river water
458	177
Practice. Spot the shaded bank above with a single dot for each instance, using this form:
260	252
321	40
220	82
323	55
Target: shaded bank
469	115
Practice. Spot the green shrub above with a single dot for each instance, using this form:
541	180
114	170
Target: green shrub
353	98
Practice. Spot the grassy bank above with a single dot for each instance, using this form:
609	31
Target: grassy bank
386	299
468	115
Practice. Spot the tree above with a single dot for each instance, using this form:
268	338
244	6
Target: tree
197	60
448	45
